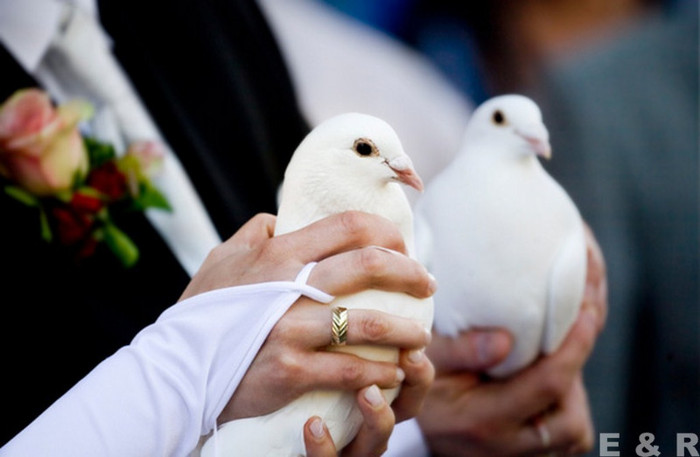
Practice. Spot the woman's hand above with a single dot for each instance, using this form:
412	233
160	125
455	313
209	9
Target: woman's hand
539	410
379	418
343	244
372	438
349	249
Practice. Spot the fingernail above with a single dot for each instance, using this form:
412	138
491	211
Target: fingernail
486	348
432	284
400	375
374	396
415	356
316	428
428	336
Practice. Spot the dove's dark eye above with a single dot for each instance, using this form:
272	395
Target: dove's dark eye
365	147
498	118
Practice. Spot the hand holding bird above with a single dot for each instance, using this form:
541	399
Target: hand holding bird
352	162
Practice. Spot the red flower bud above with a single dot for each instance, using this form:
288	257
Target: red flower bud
109	180
86	203
71	226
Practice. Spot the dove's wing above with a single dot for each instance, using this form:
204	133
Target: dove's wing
423	239
565	290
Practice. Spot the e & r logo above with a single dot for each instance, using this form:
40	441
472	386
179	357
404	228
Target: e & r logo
685	445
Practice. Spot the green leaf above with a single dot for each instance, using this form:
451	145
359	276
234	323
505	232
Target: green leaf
21	195
98	152
150	197
121	245
89	191
46	234
65	195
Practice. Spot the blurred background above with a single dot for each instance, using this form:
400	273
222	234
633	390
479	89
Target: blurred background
617	81
486	48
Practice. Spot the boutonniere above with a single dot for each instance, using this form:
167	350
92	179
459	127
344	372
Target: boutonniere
76	183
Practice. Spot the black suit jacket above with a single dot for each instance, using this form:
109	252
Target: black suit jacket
215	83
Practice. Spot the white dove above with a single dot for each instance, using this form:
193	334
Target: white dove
349	162
502	237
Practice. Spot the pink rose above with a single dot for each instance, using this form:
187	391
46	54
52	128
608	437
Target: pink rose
40	146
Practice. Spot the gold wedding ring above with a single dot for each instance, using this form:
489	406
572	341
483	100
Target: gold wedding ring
339	326
543	431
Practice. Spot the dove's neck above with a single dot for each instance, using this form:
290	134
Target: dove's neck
307	201
492	155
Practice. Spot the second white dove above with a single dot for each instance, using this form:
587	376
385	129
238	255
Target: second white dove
502	237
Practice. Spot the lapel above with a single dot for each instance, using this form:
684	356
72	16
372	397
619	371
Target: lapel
212	77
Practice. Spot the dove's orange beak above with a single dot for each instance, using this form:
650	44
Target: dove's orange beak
405	172
538	137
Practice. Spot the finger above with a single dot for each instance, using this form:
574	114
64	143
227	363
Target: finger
568	429
259	228
550	378
596	292
419	377
373	437
317	439
364	327
372	268
339	233
376	327
475	350
572	425
341	371
459	405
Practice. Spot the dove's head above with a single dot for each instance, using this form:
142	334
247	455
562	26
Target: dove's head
349	162
511	120
359	148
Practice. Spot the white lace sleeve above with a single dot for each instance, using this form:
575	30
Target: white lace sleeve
158	395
